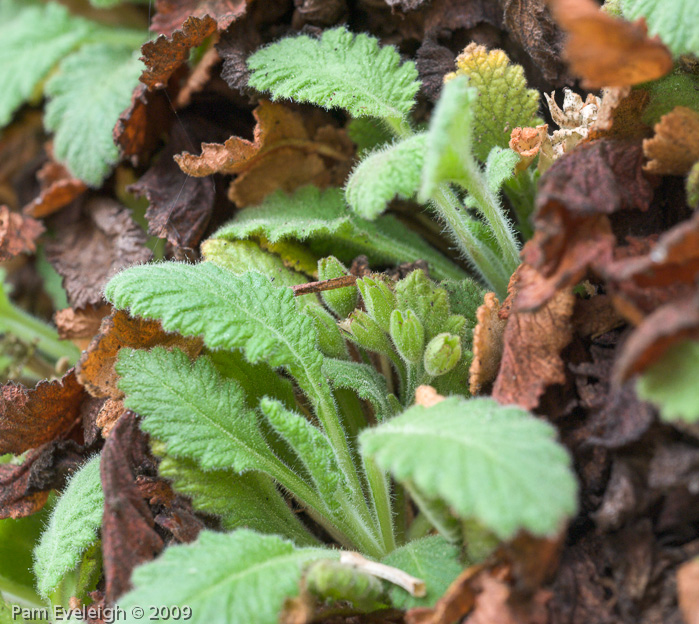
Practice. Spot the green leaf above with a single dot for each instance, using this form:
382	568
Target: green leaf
189	406
234	578
675	89
496	464
6	613
90	91
675	21
671	382
392	171
72	529
431	559
339	70
33	39
499	168
323	219
333	581
368	134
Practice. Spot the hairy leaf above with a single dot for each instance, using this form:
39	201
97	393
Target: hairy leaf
73	527
92	88
367	134
389	172
431	559
674	20
496	464
499	168
34	39
323	219
339	70
233	578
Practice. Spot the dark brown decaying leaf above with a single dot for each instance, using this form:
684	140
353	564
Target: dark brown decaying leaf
30	417
675	147
16	498
172	14
165	55
20	145
606	51
18	233
95	369
92	245
318	12
58	189
128	528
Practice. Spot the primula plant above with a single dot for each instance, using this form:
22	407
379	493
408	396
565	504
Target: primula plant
393	351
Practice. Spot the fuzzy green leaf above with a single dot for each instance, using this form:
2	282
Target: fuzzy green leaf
33	40
90	91
495	464
671	382
368	134
323	219
392	171
431	559
499	168
675	89
339	70
73	527
674	20
234	578
190	407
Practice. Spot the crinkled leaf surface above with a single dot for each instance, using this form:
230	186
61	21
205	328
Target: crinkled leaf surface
234	578
496	464
394	171
73	527
91	89
339	70
674	20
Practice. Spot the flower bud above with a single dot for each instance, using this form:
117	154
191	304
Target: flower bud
340	300
442	354
330	340
408	335
366	333
379	299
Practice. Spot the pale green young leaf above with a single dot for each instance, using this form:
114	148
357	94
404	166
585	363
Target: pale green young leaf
249	500
499	168
368	134
671	382
197	413
675	21
337	70
73	527
431	559
323	219
389	172
33	39
91	89
311	446
234	578
496	464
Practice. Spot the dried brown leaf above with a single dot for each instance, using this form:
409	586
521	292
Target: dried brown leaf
112	410
688	591
18	233
487	344
80	324
606	51
619	115
58	189
20	146
198	79
96	366
172	14
675	147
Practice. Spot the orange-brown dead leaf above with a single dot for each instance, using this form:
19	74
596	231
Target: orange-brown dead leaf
30	417
675	147
487	344
18	233
606	51
688	591
165	55
96	366
80	324
533	340
289	149
58	189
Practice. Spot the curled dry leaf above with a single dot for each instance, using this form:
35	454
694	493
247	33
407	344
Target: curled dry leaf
96	366
533	341
688	591
487	344
109	415
18	233
166	54
80	324
172	14
675	147
289	149
58	189
606	51
30	417
107	239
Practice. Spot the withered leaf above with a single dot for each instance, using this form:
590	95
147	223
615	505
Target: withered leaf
18	233
487	344
20	145
606	51
112	410
30	417
533	340
289	149
688	591
128	529
619	115
95	370
16	498
80	324
107	239
433	62
198	79
165	55
58	189
675	147
172	14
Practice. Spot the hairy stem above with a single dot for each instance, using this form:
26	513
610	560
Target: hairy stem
438	515
381	497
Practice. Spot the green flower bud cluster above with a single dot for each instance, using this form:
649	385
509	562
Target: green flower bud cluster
341	301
